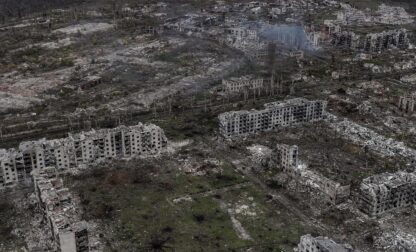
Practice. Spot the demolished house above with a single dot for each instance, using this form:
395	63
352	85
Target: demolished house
387	192
244	83
275	115
321	244
407	103
80	150
372	42
69	232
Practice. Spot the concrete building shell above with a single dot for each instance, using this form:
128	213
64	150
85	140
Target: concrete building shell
275	115
288	160
287	157
245	83
387	192
79	150
69	232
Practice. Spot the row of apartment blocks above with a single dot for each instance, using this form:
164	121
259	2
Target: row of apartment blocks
387	192
80	150
372	42
276	114
68	232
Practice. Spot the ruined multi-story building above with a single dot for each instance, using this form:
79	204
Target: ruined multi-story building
372	42
287	157
407	103
321	244
69	233
387	192
345	39
396	240
245	83
275	115
331	191
80	150
245	40
242	33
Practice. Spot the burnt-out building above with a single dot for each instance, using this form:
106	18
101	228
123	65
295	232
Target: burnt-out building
274	115
387	192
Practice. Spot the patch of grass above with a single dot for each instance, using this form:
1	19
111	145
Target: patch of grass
168	57
142	214
7	239
272	228
188	124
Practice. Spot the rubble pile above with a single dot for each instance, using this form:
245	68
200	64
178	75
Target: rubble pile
350	16
396	241
393	15
368	138
260	155
287	159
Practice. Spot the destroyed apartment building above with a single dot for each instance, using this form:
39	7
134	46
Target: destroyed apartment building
287	159
372	42
247	41
407	103
276	114
387	192
80	150
321	244
369	139
244	83
68	232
